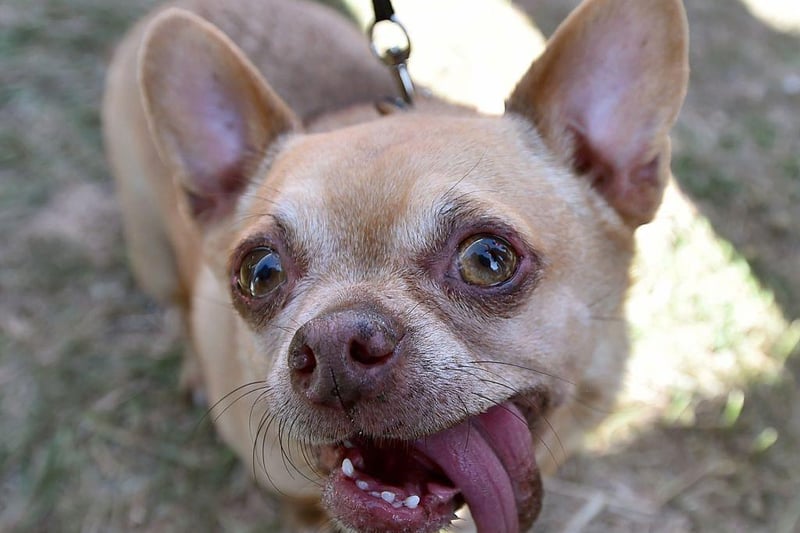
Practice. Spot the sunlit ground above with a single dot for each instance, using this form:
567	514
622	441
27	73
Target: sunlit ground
702	325
782	15
475	61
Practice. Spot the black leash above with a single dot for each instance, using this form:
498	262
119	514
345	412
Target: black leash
395	57
383	10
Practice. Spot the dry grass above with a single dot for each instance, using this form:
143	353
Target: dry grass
95	437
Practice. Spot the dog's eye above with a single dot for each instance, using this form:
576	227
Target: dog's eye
486	260
261	272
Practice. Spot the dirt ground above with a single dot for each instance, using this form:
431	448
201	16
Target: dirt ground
94	435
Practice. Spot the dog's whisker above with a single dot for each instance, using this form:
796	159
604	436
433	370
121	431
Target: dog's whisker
276	440
466	367
285	438
290	438
232	403
259	384
513	390
255	460
558	439
523	367
263	430
246	217
462	178
259	398
279	327
464	407
410	312
470	372
306	452
543	442
470	422
574	394
576	400
455	203
263	426
282	445
296	323
264	435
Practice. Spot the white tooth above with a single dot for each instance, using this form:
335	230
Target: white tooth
387	496
397	504
347	468
375	494
411	502
361	484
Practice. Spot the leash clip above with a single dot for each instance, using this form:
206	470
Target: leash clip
395	57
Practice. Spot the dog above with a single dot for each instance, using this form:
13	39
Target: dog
395	310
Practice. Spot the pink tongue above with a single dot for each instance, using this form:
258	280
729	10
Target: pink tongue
477	455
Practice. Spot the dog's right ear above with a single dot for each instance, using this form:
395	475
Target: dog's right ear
210	111
605	94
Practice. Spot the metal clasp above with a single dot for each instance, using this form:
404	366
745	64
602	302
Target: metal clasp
395	57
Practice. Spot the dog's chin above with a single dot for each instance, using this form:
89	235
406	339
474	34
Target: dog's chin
487	462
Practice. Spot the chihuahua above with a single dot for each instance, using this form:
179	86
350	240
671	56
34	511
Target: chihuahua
400	309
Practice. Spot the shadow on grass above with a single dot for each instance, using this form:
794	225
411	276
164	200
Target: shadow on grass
724	470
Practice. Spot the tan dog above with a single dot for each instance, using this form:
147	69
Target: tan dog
410	311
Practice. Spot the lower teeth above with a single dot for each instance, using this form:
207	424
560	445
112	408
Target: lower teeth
389	497
411	502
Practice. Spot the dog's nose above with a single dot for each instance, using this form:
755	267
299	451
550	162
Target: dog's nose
343	357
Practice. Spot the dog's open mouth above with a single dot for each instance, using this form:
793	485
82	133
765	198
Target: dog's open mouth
487	461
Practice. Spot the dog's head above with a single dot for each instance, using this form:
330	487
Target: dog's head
433	300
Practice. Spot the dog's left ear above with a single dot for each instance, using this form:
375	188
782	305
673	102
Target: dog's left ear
605	94
210	111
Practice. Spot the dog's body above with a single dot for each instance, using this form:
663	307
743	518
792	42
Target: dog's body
430	292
